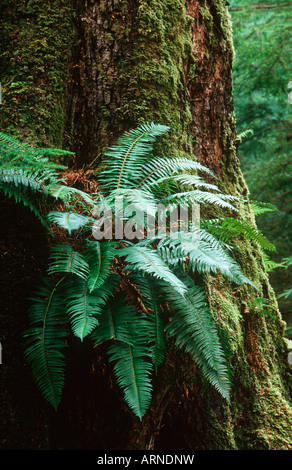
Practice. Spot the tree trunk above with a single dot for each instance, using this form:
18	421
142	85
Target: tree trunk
79	75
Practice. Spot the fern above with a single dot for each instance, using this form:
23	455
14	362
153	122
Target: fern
187	180
24	198
127	156
70	220
45	340
205	257
262	207
270	265
227	227
147	260
133	294
152	301
201	197
286	263
245	134
64	259
154	172
127	333
14	151
133	374
28	174
113	322
195	332
142	201
22	177
133	365
100	258
66	193
84	307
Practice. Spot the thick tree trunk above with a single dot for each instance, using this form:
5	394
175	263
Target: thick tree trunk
96	70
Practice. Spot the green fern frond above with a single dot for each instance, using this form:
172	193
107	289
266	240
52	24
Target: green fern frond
119	321
228	227
149	292
26	171
99	257
133	374
262	207
45	340
84	307
284	295
25	178
128	333
205	257
156	327
194	331
114	322
147	260
186	180
133	199
270	265
60	191
245	134
22	149
23	197
212	239
201	197
8	142
127	156
70	220
157	170
173	256
63	259
133	365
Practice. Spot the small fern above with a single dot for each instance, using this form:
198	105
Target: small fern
245	134
262	307
27	174
227	228
116	291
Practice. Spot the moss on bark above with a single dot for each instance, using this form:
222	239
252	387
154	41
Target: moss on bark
255	343
135	62
36	46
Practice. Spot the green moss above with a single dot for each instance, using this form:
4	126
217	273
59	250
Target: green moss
256	358
36	44
256	348
218	21
155	71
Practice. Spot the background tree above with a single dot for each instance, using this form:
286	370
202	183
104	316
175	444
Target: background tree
78	75
262	73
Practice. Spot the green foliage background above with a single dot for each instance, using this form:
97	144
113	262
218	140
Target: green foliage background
261	75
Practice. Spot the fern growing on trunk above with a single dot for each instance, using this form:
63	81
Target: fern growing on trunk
116	288
30	175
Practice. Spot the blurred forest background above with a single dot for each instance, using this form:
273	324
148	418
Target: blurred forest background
262	77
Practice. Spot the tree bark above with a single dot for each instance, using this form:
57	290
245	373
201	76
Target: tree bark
95	70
